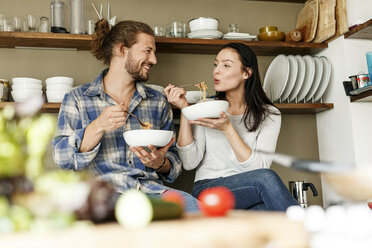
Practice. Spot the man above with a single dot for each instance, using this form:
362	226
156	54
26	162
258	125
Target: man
93	116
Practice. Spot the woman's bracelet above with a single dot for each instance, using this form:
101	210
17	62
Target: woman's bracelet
161	166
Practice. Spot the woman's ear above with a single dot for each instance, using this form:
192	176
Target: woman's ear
247	73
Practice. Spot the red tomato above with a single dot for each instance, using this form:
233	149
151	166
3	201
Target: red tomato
216	201
369	204
173	196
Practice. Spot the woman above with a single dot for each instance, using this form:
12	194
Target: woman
225	151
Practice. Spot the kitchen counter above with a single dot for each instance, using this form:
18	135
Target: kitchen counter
238	229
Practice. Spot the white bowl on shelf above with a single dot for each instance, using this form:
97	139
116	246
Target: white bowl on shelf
208	109
22	95
55	95
25	80
202	23
21	86
59	80
194	96
145	137
62	87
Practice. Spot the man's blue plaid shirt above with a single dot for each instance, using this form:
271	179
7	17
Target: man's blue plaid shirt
111	158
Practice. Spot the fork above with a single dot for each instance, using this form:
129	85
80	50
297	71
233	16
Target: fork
140	122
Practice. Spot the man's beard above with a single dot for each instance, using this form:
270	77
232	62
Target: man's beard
135	70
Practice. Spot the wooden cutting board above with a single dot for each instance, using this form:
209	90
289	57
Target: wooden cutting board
307	20
326	22
341	19
251	229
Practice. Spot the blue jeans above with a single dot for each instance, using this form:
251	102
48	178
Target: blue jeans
190	202
258	190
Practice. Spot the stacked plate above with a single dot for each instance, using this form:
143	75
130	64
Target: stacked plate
205	34
57	87
297	78
24	88
239	36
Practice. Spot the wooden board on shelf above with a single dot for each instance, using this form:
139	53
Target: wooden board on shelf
307	20
362	31
163	44
341	20
326	21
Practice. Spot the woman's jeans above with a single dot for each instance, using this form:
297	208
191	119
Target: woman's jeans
258	189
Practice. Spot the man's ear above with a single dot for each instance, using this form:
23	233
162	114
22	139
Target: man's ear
120	49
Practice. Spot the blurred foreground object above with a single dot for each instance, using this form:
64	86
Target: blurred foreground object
135	209
216	201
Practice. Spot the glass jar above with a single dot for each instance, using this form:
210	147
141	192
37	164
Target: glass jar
57	13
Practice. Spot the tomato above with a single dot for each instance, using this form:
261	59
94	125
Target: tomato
173	196
369	204
216	201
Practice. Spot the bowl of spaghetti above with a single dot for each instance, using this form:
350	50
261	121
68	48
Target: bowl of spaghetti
194	96
207	109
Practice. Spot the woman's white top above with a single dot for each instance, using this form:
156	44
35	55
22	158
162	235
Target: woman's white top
212	156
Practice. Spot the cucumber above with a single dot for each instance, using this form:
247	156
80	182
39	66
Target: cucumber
135	209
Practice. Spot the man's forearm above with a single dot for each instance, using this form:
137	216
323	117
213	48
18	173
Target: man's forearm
91	138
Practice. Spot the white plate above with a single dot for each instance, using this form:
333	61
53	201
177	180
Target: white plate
317	78
327	71
293	69
239	36
300	77
276	77
309	77
205	34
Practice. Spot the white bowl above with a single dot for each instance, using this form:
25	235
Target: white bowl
63	87
208	109
55	95
203	23
194	96
59	80
22	95
24	80
145	137
21	86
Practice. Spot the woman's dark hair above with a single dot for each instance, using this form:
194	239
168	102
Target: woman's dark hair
256	100
104	38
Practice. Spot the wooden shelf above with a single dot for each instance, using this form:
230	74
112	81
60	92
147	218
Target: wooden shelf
46	108
285	1
285	108
362	31
362	97
163	44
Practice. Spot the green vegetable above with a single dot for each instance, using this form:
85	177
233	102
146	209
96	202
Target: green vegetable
4	206
135	209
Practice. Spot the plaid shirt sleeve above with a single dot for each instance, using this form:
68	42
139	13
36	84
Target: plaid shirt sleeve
69	135
172	155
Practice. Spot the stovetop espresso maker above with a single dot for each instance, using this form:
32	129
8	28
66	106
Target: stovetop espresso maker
298	190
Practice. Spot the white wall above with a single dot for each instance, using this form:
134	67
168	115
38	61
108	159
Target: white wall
344	133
